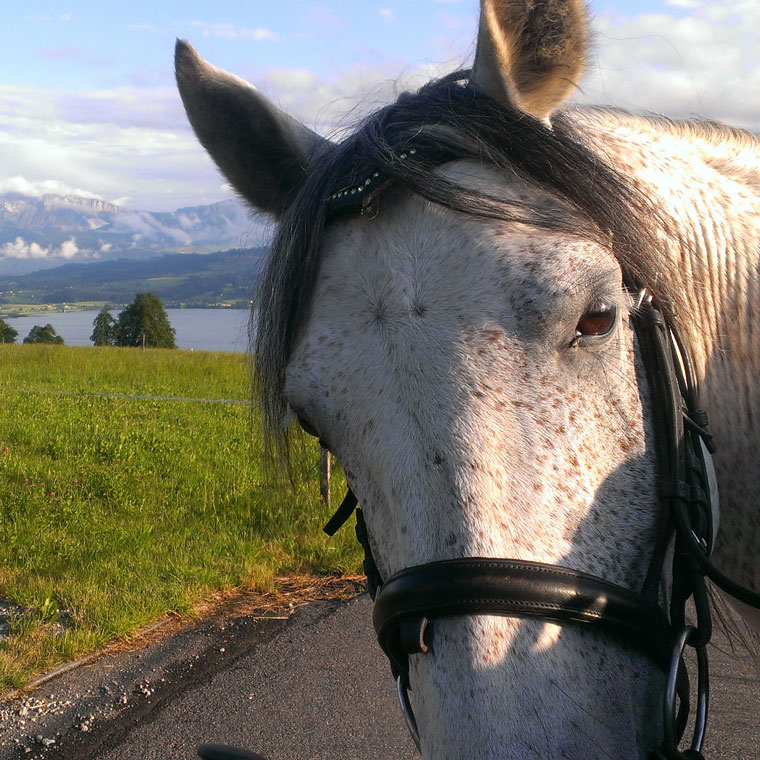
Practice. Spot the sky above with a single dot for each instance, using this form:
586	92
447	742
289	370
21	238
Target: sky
88	103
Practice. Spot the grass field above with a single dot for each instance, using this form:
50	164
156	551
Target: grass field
115	510
10	309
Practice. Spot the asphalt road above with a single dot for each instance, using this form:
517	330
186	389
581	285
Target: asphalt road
314	687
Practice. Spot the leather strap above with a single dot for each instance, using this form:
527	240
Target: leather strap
485	586
342	513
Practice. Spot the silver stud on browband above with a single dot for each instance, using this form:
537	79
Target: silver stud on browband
368	180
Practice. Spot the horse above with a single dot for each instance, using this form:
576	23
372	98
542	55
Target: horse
451	305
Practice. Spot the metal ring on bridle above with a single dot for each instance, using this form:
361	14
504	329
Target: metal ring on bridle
671	711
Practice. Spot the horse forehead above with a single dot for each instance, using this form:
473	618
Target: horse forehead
409	283
414	248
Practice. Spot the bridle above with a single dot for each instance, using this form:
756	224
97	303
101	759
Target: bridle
407	604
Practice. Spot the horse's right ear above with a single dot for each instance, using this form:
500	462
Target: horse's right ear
263	152
530	53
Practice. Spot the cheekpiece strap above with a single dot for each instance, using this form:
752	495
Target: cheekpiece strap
342	513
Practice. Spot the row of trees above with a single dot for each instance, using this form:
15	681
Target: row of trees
142	323
37	334
7	333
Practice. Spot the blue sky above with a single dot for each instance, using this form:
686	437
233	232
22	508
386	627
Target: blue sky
83	45
87	100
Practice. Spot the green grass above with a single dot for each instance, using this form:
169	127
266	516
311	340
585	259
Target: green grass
117	510
10	308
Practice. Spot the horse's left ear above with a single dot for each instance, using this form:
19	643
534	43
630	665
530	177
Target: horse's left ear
530	53
263	152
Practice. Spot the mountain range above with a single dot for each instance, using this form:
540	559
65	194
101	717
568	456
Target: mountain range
41	232
225	278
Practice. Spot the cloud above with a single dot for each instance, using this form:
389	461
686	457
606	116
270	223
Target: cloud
20	249
685	3
122	143
43	187
143	226
704	63
332	104
133	143
386	14
232	31
68	249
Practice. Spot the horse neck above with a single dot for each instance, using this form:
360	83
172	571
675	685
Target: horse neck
707	178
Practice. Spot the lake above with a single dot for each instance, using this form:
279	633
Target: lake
197	329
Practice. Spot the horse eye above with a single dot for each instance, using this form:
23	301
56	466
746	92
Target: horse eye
597	320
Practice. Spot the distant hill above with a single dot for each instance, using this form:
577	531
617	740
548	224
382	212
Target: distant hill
37	233
180	279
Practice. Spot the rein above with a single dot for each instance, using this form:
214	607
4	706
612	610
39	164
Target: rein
407	604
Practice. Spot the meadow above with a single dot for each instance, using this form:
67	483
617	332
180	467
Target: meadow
116	508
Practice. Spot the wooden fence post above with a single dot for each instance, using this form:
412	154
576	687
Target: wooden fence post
324	475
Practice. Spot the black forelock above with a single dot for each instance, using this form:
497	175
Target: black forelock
445	120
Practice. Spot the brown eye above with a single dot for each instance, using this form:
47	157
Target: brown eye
598	320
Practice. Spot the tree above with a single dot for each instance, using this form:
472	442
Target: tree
104	332
46	334
144	323
7	333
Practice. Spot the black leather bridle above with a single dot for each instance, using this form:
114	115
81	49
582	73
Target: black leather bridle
407	604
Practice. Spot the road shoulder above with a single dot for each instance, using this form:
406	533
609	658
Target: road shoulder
81	708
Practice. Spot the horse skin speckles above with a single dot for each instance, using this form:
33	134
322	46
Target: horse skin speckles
462	340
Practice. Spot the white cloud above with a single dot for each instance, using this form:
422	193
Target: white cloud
233	31
338	102
142	226
20	249
129	144
704	63
386	13
36	189
68	249
134	144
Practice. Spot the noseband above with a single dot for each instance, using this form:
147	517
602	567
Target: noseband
407	604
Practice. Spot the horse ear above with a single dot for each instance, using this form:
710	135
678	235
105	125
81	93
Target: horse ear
530	53
263	152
